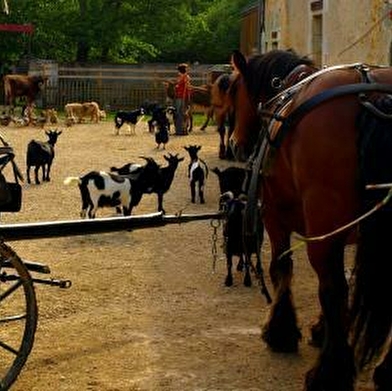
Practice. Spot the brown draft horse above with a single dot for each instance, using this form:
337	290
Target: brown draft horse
223	113
322	136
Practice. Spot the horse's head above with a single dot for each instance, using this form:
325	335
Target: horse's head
256	81
244	109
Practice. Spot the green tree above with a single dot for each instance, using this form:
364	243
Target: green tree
127	31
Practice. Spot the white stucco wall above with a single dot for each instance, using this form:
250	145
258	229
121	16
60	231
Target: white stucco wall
353	30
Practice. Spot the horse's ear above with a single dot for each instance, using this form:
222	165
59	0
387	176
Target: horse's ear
239	61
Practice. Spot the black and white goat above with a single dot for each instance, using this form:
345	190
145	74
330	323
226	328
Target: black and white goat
128	168
164	178
40	154
159	114
131	118
101	189
197	173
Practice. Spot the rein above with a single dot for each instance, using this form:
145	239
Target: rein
351	224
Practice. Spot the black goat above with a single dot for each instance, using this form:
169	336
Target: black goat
101	189
231	179
237	243
40	154
159	115
127	117
162	131
197	173
164	178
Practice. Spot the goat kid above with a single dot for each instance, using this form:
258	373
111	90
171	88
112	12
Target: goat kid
162	131
131	118
100	189
237	244
40	154
231	179
197	173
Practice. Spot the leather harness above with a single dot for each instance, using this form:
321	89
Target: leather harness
277	123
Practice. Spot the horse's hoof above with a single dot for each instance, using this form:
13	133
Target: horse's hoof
317	334
229	281
283	341
247	282
320	379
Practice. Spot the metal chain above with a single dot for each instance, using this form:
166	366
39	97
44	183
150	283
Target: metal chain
215	224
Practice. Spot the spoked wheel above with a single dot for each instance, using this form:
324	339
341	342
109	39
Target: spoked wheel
18	315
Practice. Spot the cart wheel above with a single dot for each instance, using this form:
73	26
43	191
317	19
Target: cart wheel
18	315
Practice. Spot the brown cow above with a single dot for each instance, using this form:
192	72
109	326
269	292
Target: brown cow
22	86
26	86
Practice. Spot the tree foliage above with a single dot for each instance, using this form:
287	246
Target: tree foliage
123	31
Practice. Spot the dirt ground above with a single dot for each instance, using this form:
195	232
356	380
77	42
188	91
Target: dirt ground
146	310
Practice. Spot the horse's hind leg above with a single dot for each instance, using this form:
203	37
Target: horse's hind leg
210	113
334	370
383	373
281	332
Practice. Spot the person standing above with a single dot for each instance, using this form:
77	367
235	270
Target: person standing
182	98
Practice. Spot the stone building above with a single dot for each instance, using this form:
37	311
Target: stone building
329	31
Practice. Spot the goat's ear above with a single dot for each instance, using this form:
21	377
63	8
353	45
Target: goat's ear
180	159
216	170
227	196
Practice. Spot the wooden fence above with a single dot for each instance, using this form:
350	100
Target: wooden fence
114	87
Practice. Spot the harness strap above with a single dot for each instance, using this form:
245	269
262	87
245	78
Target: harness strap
298	113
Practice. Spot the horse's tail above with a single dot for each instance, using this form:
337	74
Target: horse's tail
371	318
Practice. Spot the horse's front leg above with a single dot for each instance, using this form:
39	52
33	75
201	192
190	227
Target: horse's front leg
222	147
334	370
281	332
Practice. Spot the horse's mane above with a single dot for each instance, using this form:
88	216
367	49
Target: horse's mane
262	68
